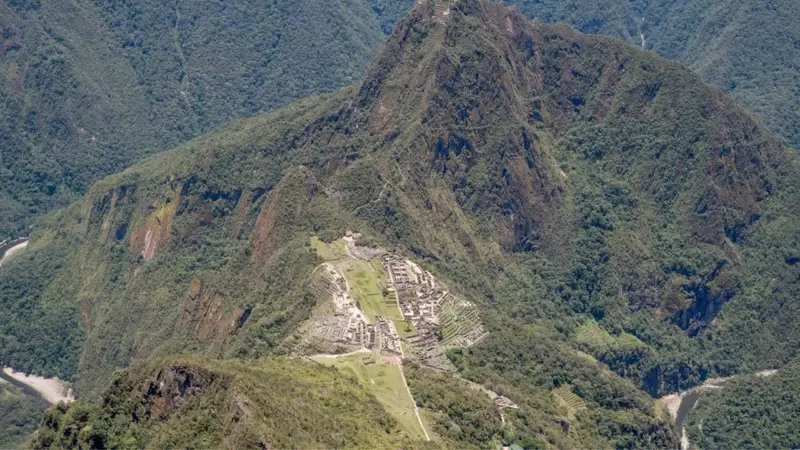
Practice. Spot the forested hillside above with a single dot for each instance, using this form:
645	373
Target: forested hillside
194	403
20	415
601	206
88	87
751	50
757	411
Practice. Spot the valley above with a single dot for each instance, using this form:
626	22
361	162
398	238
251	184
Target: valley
548	231
680	405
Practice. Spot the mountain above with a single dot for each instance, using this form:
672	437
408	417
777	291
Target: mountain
89	87
748	50
185	402
601	207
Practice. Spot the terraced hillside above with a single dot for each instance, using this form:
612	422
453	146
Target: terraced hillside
368	295
592	336
569	400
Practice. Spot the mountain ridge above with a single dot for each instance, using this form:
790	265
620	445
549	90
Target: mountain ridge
552	178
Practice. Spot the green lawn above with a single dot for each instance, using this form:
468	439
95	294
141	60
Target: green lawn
366	289
384	380
402	326
323	250
365	279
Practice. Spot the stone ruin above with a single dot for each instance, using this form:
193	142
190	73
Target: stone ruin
440	319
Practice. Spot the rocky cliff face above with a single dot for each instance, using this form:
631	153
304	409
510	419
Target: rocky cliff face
190	402
173	387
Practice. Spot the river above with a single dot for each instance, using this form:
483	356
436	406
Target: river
50	390
681	404
9	249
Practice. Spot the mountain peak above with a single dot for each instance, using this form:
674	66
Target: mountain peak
435	36
476	84
565	184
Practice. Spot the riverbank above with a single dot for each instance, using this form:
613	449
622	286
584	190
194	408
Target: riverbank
679	405
51	390
9	249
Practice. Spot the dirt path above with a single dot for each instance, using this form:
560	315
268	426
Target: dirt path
342	355
416	408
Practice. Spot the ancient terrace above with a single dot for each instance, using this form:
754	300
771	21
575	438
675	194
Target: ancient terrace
375	300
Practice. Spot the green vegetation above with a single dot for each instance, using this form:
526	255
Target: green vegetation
567	398
384	379
461	416
41	331
592	336
732	44
89	87
323	250
749	412
20	414
457	319
186	402
405	329
557	390
547	176
368	293
367	283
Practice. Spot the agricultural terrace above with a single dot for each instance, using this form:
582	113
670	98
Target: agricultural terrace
376	309
565	397
591	335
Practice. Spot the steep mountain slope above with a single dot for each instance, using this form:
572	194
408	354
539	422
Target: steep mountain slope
758	411
20	415
596	201
88	87
185	402
749	50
